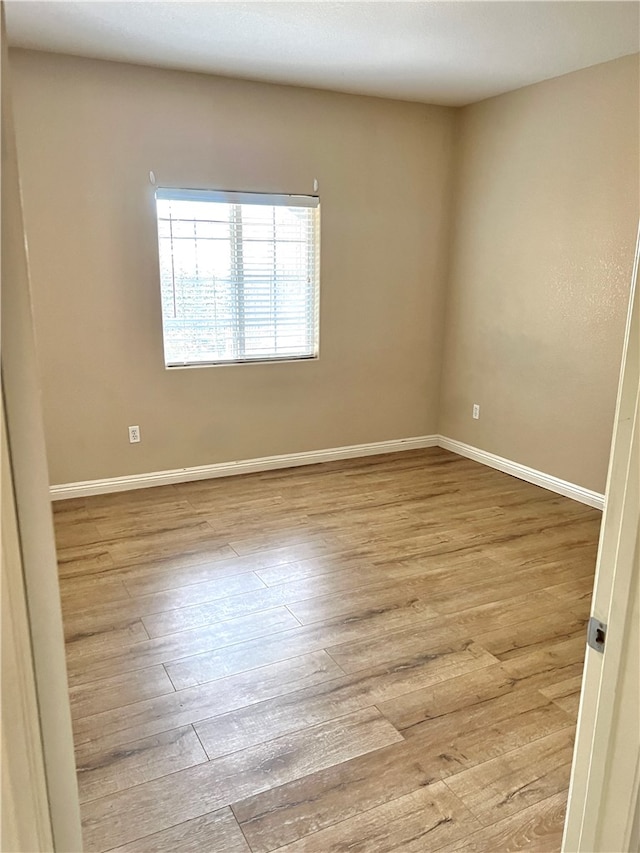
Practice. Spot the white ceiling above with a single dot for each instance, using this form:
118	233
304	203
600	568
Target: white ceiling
438	51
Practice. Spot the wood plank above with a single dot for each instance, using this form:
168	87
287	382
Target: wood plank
576	594
216	831
446	698
343	560
84	665
513	583
301	545
183	568
100	639
503	786
242	656
563	688
536	829
74	592
78	534
197	543
399	546
532	635
569	704
288	812
566	694
381	598
174	572
477	718
215	587
362	653
214	608
312	705
89	615
102	772
427	819
69	511
285	813
553	663
353	574
195	539
213	612
482	526
479	733
570	543
79	562
130	520
96	696
414	593
157	805
140	719
203	604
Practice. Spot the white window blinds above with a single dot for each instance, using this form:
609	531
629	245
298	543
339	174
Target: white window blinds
239	276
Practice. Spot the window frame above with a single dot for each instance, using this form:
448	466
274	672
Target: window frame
309	201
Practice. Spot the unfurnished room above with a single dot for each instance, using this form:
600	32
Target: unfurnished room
320	426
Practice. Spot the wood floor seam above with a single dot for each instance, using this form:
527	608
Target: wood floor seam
246	840
328	653
170	679
199	741
293	614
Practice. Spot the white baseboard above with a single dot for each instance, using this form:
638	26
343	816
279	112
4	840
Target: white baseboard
313	457
228	469
523	472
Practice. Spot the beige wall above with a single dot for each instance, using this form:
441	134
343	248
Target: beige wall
545	224
546	205
88	134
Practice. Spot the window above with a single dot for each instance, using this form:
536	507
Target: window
239	276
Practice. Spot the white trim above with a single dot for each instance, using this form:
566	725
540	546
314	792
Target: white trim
313	457
234	197
523	472
246	466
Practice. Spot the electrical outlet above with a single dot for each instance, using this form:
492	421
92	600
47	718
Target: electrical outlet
476	411
134	434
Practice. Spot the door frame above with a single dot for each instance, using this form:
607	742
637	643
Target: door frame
40	666
602	811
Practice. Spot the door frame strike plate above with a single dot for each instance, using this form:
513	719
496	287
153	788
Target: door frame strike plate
596	634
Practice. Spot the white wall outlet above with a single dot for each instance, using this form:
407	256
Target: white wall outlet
476	411
134	434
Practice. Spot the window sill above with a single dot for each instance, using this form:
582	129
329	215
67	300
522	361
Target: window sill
247	362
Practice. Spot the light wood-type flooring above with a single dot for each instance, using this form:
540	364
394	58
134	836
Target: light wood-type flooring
371	656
